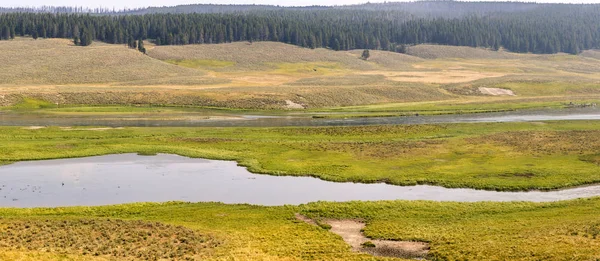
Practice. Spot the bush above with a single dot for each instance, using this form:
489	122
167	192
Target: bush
324	225
368	244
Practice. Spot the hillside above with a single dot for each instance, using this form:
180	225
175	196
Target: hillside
428	51
57	61
271	75
265	55
591	54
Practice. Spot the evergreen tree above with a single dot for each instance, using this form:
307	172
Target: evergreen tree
547	28
496	46
86	38
141	47
365	55
5	33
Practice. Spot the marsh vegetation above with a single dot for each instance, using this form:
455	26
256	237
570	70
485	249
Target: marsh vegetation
494	156
474	231
312	68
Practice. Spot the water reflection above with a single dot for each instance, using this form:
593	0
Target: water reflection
165	120
125	178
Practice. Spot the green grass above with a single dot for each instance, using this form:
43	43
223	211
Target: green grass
29	104
502	156
483	105
445	107
480	231
495	156
550	88
456	231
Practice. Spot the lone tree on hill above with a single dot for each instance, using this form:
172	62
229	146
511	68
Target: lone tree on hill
86	38
141	47
365	55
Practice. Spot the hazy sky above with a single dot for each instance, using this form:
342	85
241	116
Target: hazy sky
119	4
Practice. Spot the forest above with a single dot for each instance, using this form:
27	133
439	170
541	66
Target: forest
516	27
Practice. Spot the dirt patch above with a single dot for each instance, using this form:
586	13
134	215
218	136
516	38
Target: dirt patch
293	105
305	219
34	127
90	129
351	232
440	77
496	91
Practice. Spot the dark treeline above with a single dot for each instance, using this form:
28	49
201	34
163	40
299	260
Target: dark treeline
179	9
425	8
215	8
547	28
59	9
449	9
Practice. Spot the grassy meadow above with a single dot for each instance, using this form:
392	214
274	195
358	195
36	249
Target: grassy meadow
54	77
566	230
265	75
494	156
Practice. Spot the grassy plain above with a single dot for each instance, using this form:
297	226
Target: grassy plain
53	76
496	156
568	230
265	75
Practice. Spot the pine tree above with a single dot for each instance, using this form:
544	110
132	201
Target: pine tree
365	55
496	46
86	38
571	29
5	33
140	46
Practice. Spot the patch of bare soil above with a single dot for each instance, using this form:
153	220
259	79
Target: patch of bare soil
305	219
90	129
496	91
351	232
293	105
34	127
440	77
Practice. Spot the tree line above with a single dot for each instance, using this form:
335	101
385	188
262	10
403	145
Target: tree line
544	29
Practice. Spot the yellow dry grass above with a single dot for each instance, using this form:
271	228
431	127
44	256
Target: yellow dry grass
595	54
428	51
265	75
58	61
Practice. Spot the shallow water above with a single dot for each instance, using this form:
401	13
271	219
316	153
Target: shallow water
125	178
233	120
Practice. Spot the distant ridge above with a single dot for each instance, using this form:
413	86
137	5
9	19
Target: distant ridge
418	8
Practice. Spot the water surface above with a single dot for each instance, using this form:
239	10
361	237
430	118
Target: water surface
202	119
126	178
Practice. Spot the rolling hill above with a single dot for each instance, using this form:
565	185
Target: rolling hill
270	75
